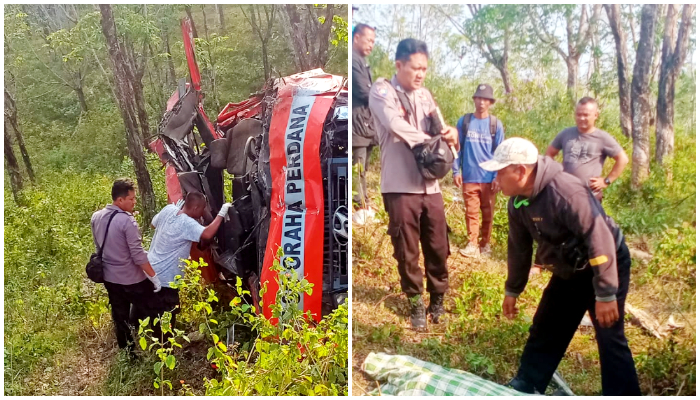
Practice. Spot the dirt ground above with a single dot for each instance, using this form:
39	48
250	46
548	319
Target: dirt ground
98	368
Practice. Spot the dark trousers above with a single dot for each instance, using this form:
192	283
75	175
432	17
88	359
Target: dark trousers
563	304
168	299
415	218
130	303
360	155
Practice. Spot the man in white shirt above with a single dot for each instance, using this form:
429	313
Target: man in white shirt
176	229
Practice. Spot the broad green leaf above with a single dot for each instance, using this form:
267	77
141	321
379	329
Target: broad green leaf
170	361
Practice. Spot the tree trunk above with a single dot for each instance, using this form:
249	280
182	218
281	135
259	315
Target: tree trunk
23	151
673	56
571	77
160	102
212	63
576	42
266	62
140	103
640	97
134	74
595	43
656	63
172	78
204	19
12	167
623	83
11	115
594	72
222	22
505	76
296	32
493	56
630	20
265	39
324	37
664	105
188	10
309	38
124	81
255	20
81	98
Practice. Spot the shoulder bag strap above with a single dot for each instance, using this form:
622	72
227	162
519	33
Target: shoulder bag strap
466	120
493	123
99	249
406	104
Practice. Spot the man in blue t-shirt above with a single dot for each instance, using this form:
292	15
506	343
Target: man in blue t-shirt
176	229
479	135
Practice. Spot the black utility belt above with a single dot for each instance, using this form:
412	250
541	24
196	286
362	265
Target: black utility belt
574	256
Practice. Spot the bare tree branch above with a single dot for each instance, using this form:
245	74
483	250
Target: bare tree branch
542	33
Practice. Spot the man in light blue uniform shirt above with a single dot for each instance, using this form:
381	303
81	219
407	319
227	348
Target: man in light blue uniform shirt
176	229
479	135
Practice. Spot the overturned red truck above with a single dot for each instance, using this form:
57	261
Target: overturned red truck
285	150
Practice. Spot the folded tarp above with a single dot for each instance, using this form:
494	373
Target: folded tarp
409	376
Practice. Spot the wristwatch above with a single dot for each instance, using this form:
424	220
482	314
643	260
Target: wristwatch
607	181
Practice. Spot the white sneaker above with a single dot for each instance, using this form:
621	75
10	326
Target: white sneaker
471	250
485	251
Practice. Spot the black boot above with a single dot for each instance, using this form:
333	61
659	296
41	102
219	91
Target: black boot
521	385
418	321
435	309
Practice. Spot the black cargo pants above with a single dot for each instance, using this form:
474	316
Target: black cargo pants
130	303
168	299
360	155
415	218
564	302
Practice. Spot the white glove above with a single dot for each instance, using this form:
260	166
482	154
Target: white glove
224	210
180	203
155	281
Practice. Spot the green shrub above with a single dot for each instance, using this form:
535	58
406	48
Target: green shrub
674	256
667	368
294	356
47	242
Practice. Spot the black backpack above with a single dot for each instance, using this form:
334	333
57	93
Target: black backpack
493	125
434	157
95	267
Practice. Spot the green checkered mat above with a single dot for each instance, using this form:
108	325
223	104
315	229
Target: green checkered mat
409	376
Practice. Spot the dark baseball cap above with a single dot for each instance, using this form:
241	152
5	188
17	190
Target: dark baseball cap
485	91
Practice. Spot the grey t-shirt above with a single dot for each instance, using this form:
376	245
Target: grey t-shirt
172	242
585	154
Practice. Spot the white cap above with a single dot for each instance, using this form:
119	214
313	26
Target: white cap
512	151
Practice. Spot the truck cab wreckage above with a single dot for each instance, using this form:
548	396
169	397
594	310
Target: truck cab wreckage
285	150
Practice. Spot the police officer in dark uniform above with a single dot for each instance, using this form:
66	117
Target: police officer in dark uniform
587	254
364	137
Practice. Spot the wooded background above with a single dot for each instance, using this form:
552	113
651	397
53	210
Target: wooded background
71	72
630	54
